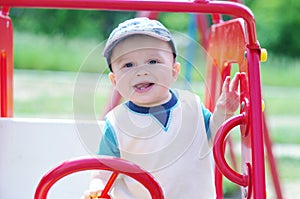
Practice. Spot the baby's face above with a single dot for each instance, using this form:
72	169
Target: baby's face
143	70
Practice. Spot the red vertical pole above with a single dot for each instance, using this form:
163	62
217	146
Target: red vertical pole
3	78
5	11
6	64
216	18
203	27
256	120
219	183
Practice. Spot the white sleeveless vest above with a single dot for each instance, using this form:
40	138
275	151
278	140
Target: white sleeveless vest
178	156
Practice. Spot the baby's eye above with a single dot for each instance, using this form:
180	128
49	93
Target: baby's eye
128	65
153	61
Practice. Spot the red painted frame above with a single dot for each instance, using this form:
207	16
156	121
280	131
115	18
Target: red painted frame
198	6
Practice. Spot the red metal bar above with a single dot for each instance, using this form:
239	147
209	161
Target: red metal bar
5	11
148	14
231	153
3	89
216	18
219	183
109	185
219	151
203	28
6	62
109	164
217	7
255	121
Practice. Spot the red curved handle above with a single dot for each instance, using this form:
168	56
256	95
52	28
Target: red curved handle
219	151
116	165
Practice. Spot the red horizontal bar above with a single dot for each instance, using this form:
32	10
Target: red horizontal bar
218	7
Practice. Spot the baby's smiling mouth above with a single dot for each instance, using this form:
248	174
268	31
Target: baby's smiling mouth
143	87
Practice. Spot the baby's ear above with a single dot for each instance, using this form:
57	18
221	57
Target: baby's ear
112	78
176	70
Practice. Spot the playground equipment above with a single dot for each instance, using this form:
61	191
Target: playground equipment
116	165
240	47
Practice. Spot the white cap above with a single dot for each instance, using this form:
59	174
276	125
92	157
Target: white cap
137	26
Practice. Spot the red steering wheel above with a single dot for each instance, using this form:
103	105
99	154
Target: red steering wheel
116	165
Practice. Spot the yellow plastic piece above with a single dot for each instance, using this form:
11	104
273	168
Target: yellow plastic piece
263	55
262	105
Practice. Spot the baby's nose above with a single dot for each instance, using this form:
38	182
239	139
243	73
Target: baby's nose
142	72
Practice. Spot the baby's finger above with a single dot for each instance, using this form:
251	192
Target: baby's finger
226	83
95	194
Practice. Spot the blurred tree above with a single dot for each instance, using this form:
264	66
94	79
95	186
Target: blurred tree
69	23
288	41
278	25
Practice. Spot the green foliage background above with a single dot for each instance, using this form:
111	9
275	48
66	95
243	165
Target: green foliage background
278	25
68	23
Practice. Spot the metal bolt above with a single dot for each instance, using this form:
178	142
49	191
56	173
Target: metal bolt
245	54
242	105
245	193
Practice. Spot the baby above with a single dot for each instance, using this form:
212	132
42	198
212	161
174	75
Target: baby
167	132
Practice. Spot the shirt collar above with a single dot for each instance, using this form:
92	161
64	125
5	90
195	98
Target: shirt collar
160	112
156	109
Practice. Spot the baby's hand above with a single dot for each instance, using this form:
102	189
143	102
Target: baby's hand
227	103
90	194
229	99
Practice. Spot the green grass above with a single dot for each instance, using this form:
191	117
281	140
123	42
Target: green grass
286	134
51	94
283	106
39	52
289	168
281	71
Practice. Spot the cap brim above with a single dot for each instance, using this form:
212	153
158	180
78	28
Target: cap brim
109	46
